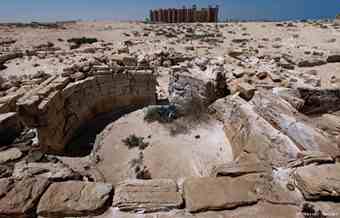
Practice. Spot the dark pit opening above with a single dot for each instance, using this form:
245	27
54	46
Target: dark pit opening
83	140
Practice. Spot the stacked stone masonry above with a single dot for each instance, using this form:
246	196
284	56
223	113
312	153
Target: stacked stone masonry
59	106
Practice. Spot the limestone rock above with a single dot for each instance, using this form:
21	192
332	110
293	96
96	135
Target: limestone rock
218	193
10	127
311	62
334	57
9	155
319	100
275	77
261	75
52	171
260	210
58	106
124	60
5	171
10	56
311	157
235	53
196	87
246	90
18	198
147	195
250	134
290	95
317	182
330	123
296	126
234	169
74	198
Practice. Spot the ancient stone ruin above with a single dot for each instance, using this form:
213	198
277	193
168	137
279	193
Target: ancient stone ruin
184	15
188	120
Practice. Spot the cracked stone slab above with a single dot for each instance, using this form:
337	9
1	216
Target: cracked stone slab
147	195
317	182
10	154
74	198
18	198
209	193
53	171
234	169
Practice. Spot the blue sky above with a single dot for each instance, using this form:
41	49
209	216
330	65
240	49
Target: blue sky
51	10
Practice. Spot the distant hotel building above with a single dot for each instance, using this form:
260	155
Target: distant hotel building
184	15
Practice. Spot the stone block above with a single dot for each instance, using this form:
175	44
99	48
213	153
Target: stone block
74	198
220	193
147	195
18	198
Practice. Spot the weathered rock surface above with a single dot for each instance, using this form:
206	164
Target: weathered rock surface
58	107
18	198
10	127
234	169
311	157
290	122
311	62
10	154
74	199
329	123
318	101
6	57
219	193
196	87
317	182
246	90
251	135
52	171
260	210
290	95
334	57
5	171
147	195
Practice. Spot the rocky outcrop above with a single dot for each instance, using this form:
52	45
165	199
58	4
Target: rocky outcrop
311	62
18	198
195	89
290	122
147	195
251	136
334	57
10	154
318	101
10	128
246	90
311	157
219	193
58	107
234	169
6	57
329	123
318	182
74	198
53	171
292	96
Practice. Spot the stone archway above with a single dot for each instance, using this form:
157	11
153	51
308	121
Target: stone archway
59	106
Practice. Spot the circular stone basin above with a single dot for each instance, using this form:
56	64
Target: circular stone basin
174	150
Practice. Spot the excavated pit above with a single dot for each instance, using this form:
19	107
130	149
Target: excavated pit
81	144
177	150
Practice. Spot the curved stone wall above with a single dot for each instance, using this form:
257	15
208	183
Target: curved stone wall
58	107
